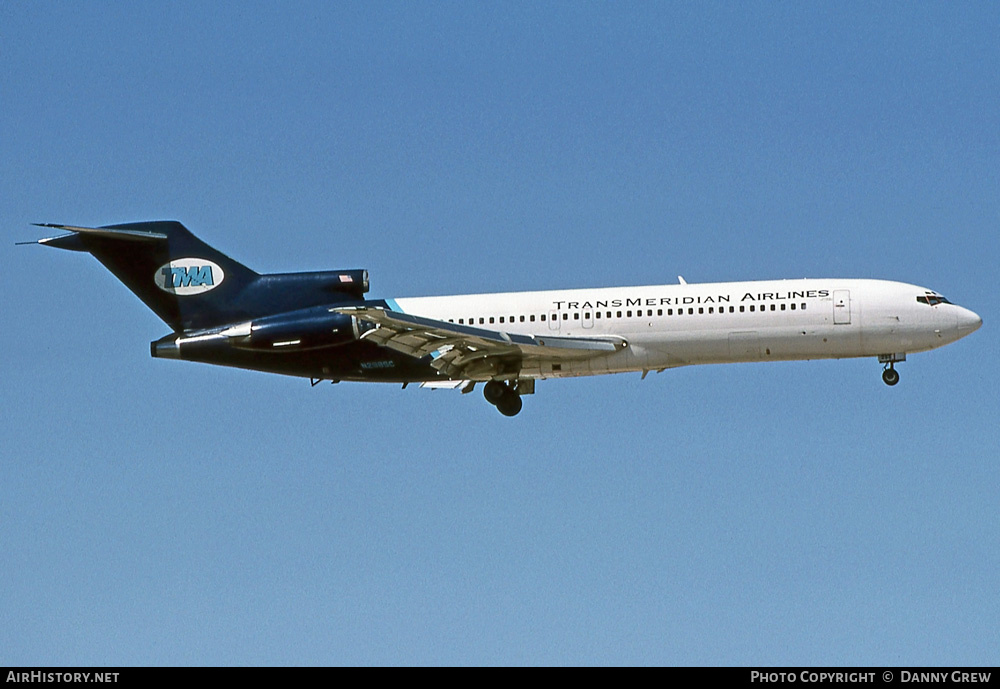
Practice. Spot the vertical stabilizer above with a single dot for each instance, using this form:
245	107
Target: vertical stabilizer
182	279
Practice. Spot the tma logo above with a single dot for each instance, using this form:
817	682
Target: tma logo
186	276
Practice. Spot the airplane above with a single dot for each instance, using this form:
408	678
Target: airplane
320	325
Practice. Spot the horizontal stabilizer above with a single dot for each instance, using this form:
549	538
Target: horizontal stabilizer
107	232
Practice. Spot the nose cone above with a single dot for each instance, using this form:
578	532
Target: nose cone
968	322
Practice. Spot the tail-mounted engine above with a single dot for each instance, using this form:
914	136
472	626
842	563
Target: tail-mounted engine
287	332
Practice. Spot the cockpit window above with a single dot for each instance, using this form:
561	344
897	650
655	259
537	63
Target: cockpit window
932	299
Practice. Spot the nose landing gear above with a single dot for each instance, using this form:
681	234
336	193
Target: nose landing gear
504	397
890	376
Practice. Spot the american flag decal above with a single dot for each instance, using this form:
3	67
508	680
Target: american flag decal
346	278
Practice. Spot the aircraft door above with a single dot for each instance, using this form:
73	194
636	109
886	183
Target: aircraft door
553	320
588	319
841	307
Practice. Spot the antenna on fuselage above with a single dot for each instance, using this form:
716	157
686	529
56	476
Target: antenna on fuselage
680	279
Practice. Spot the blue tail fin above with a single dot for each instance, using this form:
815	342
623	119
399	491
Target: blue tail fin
182	279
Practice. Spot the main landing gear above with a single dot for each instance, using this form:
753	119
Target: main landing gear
890	376
504	397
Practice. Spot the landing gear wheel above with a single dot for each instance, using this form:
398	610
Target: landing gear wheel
510	403
494	391
890	376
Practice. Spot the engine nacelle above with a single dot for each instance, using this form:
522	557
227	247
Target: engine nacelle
285	332
352	282
296	330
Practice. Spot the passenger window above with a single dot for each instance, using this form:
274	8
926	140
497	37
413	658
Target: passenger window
609	314
532	318
782	307
701	310
751	308
742	308
501	319
803	306
691	311
491	319
619	314
628	314
659	312
481	320
522	319
576	316
597	313
461	321
793	307
543	316
772	307
586	315
565	316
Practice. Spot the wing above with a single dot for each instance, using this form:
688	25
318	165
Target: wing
467	352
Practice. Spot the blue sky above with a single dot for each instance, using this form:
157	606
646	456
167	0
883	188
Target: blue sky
160	512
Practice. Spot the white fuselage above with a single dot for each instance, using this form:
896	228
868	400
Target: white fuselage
684	324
